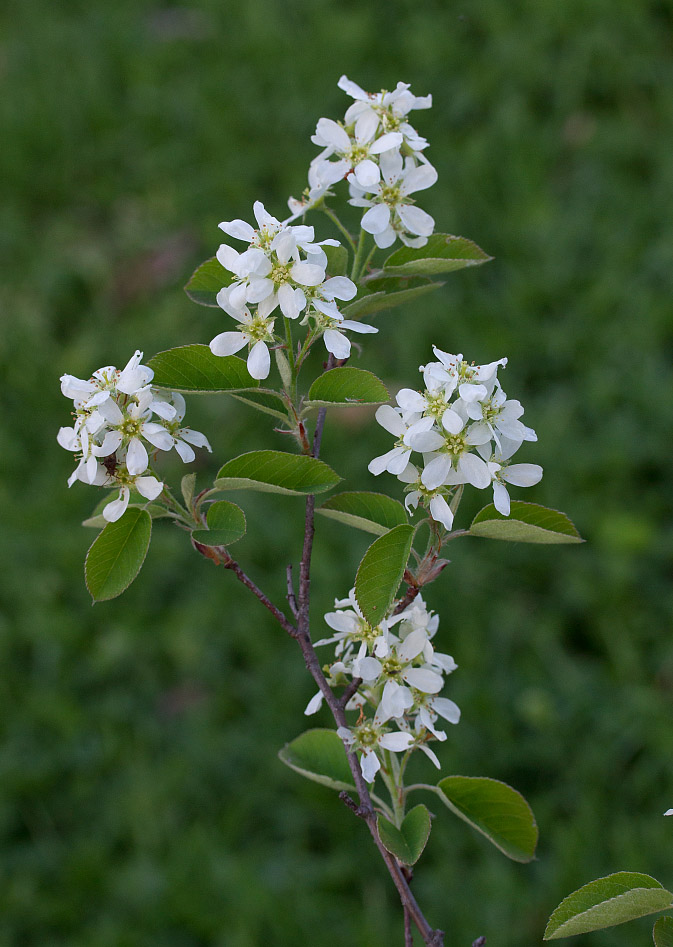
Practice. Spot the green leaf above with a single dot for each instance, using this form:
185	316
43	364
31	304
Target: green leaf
206	281
273	471
526	523
319	755
226	525
607	902
386	294
380	572
337	260
662	933
442	253
264	400
346	386
117	554
194	368
187	487
406	843
494	809
372	512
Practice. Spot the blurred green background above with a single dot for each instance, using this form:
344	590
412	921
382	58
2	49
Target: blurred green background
141	800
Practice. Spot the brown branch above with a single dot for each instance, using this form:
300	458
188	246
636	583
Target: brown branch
230	563
350	690
479	942
408	936
291	597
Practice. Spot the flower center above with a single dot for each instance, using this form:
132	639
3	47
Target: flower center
130	427
436	404
258	329
390	194
281	273
455	445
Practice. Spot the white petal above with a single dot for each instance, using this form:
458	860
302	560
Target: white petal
410	400
360	327
522	475
196	438
258	289
426	441
352	88
446	709
286	299
389	419
379	464
452	421
376	219
314	704
113	511
385	142
431	755
441	512
423	680
397	742
185	452
470	392
416	220
333	134
163	409
67	438
370	765
369	669
474	470
501	498
157	435
228	257
136	457
239	229
226	343
435	473
412	645
148	487
418	178
367	174
339	287
259	360
337	343
307	274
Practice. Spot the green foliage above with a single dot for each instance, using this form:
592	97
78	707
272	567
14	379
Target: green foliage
274	471
407	842
206	281
226	525
607	902
264	400
441	254
526	523
372	512
662	933
320	756
346	386
494	809
194	368
116	555
384	294
337	260
187	487
380	572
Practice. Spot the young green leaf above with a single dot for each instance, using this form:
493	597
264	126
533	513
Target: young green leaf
226	525
386	294
274	471
194	368
372	512
442	253
494	809
319	755
117	554
407	842
662	933
206	281
337	260
346	386
607	902
526	523
187	486
380	572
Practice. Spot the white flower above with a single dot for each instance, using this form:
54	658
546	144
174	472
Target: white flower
404	427
330	320
386	111
148	487
519	475
271	271
668	812
392	211
255	331
182	438
369	736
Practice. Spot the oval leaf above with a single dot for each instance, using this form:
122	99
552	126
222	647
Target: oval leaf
526	523
662	933
226	525
441	254
319	755
117	554
494	809
386	294
372	512
273	471
206	281
194	368
347	386
407	842
607	902
380	572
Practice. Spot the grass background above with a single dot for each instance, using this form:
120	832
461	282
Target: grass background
141	801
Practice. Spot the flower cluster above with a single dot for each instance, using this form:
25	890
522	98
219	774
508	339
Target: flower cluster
380	154
467	431
401	676
282	267
114	418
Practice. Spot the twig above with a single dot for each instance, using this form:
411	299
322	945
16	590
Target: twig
291	597
479	942
286	625
350	690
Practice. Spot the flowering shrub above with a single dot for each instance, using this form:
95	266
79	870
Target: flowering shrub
285	292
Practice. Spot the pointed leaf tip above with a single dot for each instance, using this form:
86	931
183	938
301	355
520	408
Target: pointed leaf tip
380	572
607	902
